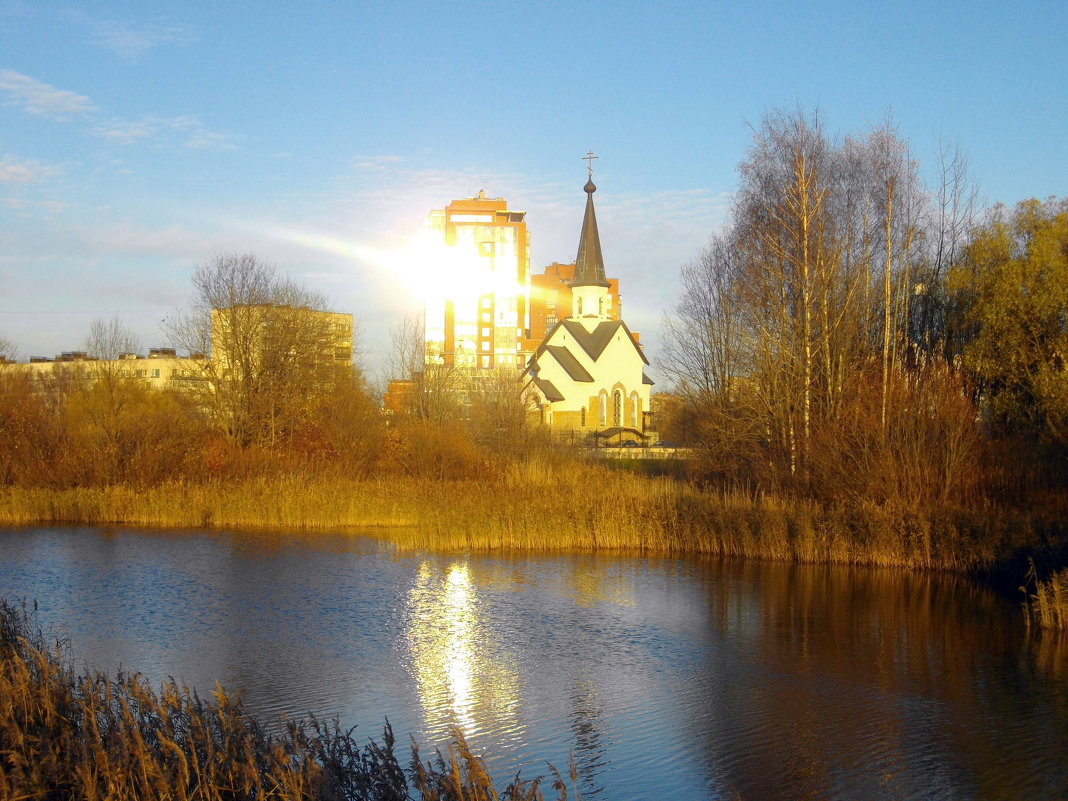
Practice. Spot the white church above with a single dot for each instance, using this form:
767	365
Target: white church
588	375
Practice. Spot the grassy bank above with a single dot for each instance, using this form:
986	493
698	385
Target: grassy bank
89	736
569	506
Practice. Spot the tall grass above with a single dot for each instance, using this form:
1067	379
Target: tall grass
87	736
1047	606
537	504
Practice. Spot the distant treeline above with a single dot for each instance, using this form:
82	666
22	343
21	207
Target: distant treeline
855	335
271	399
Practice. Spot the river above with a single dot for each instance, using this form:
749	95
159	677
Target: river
682	678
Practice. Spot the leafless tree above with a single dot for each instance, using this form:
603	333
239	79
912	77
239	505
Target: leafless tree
264	351
806	293
8	351
498	417
784	244
407	348
951	217
440	393
701	351
110	340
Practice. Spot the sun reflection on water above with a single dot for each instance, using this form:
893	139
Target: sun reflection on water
462	678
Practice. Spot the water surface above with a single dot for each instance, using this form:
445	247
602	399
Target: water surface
681	678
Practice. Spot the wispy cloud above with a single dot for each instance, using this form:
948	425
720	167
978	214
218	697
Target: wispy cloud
127	39
377	163
37	97
130	40
13	171
209	140
186	130
26	209
126	132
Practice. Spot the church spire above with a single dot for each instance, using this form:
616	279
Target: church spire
589	265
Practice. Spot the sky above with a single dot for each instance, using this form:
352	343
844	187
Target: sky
139	140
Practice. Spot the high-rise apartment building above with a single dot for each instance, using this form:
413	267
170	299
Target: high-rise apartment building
480	318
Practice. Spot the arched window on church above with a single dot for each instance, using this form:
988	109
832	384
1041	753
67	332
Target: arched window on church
617	408
578	306
582	417
604	409
634	410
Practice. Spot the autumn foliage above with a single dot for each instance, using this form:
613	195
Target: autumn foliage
855	336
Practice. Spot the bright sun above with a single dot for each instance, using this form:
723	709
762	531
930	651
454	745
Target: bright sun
435	272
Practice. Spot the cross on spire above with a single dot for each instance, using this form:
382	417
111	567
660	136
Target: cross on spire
588	158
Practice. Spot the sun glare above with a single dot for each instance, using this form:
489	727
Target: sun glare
430	271
458	684
435	272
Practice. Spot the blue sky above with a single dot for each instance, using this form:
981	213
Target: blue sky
138	140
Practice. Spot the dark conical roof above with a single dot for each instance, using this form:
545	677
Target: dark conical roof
589	265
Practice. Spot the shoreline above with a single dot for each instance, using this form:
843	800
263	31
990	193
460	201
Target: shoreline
646	515
532	507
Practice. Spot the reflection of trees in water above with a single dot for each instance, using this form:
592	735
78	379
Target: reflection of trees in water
872	683
1050	650
585	719
588	581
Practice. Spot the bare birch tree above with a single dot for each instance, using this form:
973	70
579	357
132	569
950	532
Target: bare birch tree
807	291
951	219
785	244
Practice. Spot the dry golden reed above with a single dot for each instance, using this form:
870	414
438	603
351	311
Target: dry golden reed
87	736
1047	606
532	505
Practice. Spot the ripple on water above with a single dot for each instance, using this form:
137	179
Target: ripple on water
666	678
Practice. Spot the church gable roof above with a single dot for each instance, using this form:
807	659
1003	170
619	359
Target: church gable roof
571	365
594	342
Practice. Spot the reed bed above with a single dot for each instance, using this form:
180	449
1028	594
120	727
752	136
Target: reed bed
535	505
87	736
551	512
296	501
1047	606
